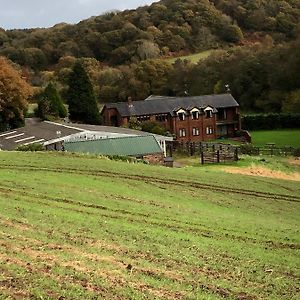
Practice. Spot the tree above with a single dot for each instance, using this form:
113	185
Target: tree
81	98
14	93
153	127
147	50
50	104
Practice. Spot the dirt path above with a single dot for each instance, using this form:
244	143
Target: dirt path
263	172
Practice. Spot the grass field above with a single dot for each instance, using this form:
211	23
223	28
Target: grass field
194	58
282	137
77	227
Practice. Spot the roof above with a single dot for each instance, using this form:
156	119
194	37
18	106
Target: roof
123	146
45	132
34	131
109	130
163	104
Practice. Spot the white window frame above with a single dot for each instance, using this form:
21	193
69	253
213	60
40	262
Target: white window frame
209	130
181	116
181	113
195	115
196	131
196	112
182	132
208	112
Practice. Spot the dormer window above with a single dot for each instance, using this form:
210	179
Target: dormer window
181	114
195	113
208	112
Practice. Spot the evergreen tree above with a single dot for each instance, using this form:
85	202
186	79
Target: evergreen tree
81	98
50	104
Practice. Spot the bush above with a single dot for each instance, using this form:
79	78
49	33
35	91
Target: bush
296	152
271	121
153	127
248	149
32	147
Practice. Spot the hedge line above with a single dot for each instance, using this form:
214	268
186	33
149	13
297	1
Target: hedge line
271	121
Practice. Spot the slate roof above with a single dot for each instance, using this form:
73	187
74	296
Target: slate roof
164	105
123	146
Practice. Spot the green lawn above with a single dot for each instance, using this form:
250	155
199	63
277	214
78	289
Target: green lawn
81	227
282	137
194	58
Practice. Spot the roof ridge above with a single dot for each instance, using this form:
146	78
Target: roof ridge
169	97
114	138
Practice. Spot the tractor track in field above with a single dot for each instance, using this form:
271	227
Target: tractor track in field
144	219
211	187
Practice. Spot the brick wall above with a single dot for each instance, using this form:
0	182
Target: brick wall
154	159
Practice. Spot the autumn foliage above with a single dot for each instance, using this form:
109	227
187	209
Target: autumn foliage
14	92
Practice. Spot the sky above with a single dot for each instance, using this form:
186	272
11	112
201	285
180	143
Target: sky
45	13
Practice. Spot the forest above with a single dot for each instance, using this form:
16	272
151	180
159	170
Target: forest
254	48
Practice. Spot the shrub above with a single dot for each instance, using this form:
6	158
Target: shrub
296	152
271	121
32	147
248	149
153	127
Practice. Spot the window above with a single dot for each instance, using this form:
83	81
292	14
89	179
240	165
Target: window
209	130
208	113
182	132
195	131
161	118
195	115
181	116
143	118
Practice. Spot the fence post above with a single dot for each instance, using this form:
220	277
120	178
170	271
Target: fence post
171	150
191	149
202	157
218	156
236	154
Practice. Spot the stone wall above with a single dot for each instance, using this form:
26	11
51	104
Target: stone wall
154	159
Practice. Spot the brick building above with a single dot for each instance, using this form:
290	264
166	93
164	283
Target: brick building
199	118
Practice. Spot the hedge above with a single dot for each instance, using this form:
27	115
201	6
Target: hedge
271	121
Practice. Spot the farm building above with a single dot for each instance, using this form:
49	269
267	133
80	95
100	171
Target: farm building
145	147
195	119
52	135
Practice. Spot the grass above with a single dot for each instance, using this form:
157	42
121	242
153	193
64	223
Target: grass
274	163
282	137
80	227
193	58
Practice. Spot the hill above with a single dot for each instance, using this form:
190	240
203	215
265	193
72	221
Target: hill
254	47
113	230
147	32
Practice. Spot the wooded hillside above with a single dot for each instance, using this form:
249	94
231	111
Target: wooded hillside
123	51
151	31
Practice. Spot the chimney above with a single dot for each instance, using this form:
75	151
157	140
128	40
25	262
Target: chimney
130	103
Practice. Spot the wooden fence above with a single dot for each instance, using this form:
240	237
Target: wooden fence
218	153
268	149
208	152
211	149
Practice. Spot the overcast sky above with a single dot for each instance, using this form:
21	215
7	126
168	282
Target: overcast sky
46	13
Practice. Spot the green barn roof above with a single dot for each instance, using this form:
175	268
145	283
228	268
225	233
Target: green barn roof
123	146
